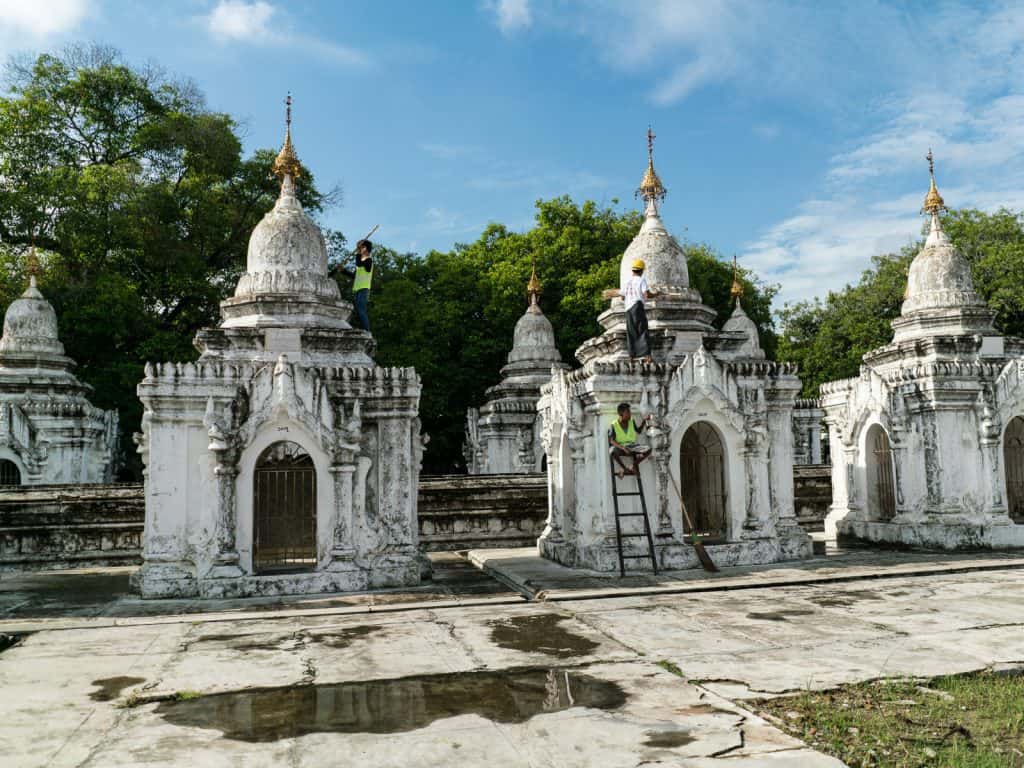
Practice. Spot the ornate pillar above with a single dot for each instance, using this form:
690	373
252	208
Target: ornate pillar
226	454
342	548
227	518
662	458
551	439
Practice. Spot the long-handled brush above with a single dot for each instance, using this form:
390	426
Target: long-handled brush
698	546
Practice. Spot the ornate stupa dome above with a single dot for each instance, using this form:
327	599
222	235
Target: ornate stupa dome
666	262
939	276
940	296
287	252
533	342
30	325
286	283
740	322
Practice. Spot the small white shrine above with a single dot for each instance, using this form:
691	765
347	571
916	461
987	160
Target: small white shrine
49	431
283	461
927	443
503	436
722	426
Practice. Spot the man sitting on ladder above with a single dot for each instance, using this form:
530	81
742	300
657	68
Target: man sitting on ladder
622	440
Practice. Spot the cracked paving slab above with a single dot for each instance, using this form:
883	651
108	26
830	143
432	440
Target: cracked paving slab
567	683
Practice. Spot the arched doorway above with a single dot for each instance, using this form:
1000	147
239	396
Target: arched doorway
1013	463
881	487
9	473
702	470
284	510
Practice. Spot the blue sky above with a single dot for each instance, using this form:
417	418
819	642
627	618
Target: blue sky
790	134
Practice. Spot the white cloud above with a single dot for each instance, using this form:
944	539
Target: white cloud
25	24
40	20
262	23
966	104
511	16
873	191
239	20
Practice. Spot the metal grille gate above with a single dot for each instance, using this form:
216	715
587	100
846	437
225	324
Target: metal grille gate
884	494
1013	464
9	473
284	508
702	469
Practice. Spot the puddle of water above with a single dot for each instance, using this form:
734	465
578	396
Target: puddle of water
109	688
540	634
668	739
391	706
779	615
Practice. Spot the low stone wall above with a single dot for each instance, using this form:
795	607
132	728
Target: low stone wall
812	495
67	526
479	511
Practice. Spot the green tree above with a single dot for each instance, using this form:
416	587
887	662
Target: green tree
140	202
451	314
828	338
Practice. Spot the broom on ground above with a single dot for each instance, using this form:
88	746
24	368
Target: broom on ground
698	546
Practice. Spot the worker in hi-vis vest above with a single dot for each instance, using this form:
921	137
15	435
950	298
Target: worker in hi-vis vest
361	282
622	440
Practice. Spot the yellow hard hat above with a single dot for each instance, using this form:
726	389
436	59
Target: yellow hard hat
639	264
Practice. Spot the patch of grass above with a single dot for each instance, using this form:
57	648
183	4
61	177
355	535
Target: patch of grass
961	721
186	695
668	666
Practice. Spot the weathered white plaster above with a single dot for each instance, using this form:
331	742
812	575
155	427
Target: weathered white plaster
808	437
285	365
943	391
699	374
48	427
503	435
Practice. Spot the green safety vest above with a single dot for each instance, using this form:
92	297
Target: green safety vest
363	278
624	436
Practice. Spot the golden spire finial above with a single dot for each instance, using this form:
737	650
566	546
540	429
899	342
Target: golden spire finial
737	287
287	162
32	263
651	187
533	288
933	202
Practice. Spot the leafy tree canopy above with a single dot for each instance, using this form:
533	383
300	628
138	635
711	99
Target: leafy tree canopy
451	314
140	202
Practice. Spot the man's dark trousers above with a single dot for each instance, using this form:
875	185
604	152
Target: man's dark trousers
362	308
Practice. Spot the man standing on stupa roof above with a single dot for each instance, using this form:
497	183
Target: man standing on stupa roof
362	277
633	293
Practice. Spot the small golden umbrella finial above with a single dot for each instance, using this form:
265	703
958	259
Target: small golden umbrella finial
933	202
736	291
32	263
651	187
533	288
287	162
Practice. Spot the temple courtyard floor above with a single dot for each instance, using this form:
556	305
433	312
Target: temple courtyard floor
501	660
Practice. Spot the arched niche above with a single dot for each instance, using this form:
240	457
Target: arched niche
702	472
10	473
1013	463
284	508
879	476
